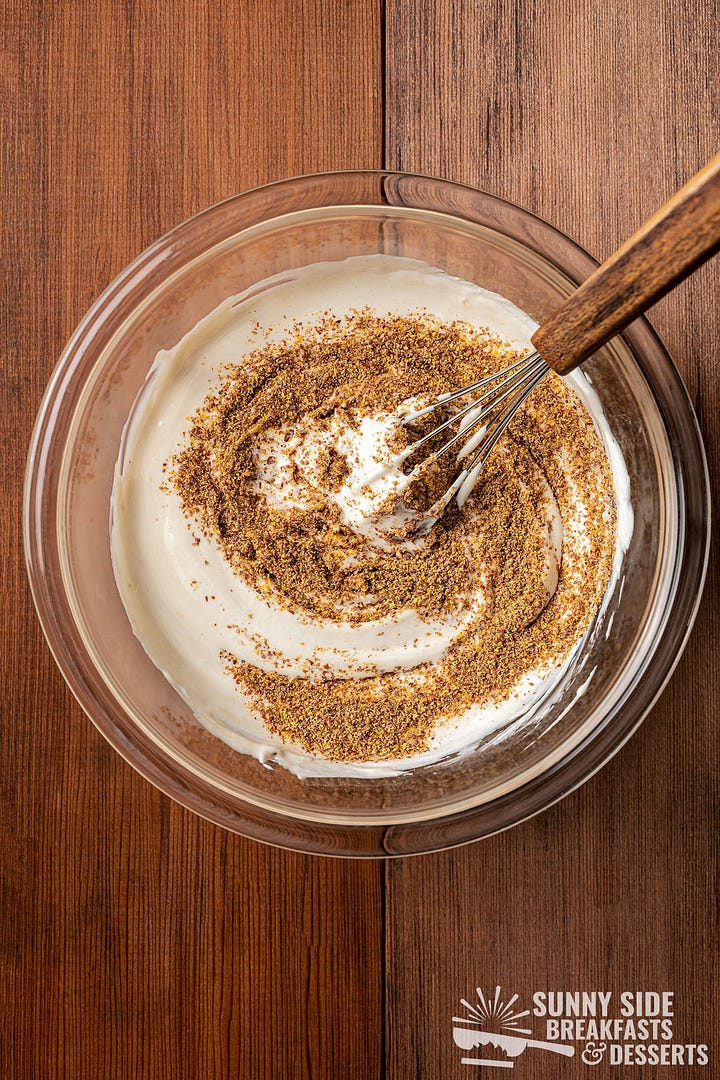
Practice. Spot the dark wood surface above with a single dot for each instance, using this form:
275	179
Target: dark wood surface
137	940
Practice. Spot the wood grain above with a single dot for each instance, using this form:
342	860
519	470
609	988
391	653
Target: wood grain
591	114
137	940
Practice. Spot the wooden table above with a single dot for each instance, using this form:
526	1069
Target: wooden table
137	940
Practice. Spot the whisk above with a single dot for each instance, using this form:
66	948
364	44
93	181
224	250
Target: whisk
681	236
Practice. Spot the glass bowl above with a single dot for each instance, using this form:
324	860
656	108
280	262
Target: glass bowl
516	771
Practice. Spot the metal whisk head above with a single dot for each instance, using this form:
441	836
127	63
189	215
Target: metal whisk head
482	422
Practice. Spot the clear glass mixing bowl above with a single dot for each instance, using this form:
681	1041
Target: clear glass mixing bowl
515	771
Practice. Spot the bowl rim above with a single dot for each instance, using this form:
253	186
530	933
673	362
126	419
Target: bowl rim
365	840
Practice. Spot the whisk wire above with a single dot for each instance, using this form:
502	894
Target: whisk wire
514	384
445	399
483	406
487	405
500	425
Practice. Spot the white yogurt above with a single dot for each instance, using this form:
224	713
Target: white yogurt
184	627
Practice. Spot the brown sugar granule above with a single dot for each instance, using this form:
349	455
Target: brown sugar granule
306	559
332	468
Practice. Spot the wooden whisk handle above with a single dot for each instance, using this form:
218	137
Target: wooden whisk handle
668	247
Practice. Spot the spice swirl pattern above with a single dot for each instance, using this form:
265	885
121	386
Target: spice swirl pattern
335	647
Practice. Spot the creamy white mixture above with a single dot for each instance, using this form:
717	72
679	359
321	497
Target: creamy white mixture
183	600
